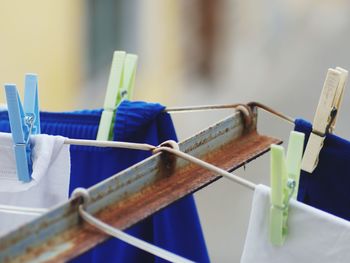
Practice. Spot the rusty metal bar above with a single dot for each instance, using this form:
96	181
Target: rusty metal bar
135	193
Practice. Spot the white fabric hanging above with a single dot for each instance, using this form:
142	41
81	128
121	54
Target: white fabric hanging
313	235
50	177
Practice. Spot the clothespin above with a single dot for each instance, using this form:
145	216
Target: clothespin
120	86
23	122
326	114
285	174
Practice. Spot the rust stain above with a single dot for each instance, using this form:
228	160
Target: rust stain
172	185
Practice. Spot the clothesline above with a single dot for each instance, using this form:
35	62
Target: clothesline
156	149
116	232
22	210
136	242
241	107
126	145
173	149
155	176
148	147
112	144
137	146
162	147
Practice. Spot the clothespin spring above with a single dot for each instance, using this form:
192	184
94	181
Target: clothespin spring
333	115
291	184
329	127
29	121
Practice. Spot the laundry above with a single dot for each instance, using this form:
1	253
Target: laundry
175	228
50	177
280	229
327	187
313	235
309	234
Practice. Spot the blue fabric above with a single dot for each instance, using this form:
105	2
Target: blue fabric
327	188
175	228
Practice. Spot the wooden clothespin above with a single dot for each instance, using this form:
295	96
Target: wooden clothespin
23	122
120	86
326	115
285	174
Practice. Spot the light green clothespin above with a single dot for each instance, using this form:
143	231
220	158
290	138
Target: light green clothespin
128	81
120	86
285	173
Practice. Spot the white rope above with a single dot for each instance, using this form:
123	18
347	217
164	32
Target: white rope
136	146
228	106
140	243
113	144
126	145
157	251
205	165
202	108
22	210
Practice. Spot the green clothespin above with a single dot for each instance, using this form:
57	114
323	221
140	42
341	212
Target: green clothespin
120	86
128	81
294	157
285	173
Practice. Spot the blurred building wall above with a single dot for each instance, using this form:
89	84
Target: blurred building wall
43	37
159	49
275	52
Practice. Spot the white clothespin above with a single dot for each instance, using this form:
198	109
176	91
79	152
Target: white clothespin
326	114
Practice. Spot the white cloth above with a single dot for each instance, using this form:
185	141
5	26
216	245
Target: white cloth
313	235
50	177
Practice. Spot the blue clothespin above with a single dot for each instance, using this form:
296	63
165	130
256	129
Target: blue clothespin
23	122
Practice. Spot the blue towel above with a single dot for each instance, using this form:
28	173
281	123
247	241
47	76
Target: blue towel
327	188
175	228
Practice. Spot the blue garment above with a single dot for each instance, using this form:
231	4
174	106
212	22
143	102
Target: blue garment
175	228
327	188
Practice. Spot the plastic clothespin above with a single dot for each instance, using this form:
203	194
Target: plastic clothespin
285	173
120	86
128	81
24	121
326	114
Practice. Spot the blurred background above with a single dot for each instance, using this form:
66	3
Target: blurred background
191	52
